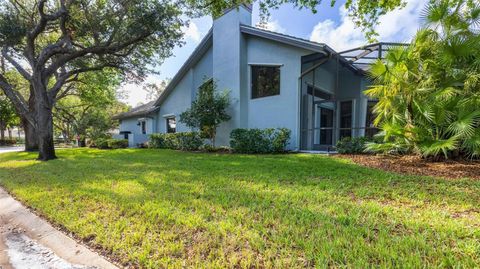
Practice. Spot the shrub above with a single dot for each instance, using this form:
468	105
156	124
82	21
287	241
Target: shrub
117	143
103	143
100	143
280	138
7	142
351	145
188	141
156	141
171	141
259	140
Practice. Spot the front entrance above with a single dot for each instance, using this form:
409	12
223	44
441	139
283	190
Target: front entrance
326	126
318	123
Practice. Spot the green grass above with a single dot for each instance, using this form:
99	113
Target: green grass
161	208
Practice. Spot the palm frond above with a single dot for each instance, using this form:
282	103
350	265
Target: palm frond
435	147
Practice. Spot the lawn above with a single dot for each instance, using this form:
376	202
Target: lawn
161	208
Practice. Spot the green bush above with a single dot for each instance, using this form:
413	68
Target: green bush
100	143
352	145
188	141
105	143
7	142
156	141
117	143
259	140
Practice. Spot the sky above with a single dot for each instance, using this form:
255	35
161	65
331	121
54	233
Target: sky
330	25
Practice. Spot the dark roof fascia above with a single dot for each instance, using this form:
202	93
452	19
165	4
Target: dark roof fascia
130	114
286	39
298	42
191	61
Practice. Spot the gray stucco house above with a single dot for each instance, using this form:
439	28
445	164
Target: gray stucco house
275	80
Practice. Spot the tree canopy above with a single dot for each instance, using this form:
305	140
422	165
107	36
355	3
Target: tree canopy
86	111
50	43
364	13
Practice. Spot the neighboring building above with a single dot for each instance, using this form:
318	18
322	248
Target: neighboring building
136	124
274	80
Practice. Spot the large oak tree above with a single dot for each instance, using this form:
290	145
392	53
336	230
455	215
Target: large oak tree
50	43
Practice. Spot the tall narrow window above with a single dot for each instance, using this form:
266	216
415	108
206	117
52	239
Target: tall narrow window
346	108
144	127
171	125
265	81
370	129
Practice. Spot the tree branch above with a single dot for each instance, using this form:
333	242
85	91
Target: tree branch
15	64
67	78
97	50
40	27
17	100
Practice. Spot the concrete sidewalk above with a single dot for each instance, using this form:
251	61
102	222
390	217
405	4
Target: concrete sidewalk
11	149
27	241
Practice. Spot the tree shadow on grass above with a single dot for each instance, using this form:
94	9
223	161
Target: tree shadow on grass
275	201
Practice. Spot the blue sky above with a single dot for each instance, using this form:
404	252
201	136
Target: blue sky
330	25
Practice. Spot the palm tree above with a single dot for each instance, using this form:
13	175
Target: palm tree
429	92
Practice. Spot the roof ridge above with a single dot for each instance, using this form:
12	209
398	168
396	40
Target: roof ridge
282	34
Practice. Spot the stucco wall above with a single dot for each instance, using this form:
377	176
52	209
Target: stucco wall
130	125
181	97
229	66
280	110
177	102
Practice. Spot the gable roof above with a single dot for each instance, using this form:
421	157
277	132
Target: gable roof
191	61
207	41
141	110
286	39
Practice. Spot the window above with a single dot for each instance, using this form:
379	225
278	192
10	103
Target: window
370	129
345	119
265	81
144	127
171	125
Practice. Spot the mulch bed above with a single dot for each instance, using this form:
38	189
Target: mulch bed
415	165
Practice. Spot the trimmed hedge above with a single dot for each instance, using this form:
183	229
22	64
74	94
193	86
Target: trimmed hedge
187	141
117	143
353	145
8	142
259	140
111	143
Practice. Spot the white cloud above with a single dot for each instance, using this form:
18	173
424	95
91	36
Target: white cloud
135	94
192	32
273	26
396	26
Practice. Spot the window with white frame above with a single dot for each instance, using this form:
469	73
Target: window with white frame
171	125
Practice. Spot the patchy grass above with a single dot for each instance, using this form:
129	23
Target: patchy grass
161	208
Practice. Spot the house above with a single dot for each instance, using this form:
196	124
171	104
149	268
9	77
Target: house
274	80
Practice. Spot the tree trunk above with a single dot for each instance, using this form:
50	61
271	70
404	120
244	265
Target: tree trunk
44	119
30	129
31	139
10	133
2	133
45	131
